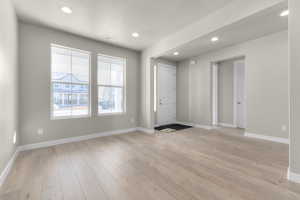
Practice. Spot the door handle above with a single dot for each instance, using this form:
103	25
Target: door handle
160	103
239	103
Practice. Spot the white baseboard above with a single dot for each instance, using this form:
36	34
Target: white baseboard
74	139
207	127
185	123
227	125
145	130
294	177
8	167
269	138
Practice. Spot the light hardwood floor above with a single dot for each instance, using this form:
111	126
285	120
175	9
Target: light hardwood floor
187	165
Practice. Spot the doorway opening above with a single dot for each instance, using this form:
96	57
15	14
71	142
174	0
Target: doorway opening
165	99
165	94
229	93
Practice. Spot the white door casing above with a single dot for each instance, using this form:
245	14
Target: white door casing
166	89
215	70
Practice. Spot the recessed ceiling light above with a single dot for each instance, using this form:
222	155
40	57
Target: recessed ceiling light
176	53
135	34
66	9
214	39
284	13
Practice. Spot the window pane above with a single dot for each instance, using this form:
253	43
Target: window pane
117	100
80	67
61	64
61	100
110	70
104	100
103	73
116	75
110	100
110	84
80	102
72	67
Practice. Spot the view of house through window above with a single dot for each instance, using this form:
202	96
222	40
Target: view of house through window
111	90
70	79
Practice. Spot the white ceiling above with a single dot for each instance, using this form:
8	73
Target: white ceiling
258	25
117	19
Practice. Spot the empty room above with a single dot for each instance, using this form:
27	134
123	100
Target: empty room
139	99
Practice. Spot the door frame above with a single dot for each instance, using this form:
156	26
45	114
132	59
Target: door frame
214	92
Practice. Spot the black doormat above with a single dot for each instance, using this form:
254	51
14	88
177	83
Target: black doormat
172	126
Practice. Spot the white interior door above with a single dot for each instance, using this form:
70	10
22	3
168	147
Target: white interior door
166	86
239	68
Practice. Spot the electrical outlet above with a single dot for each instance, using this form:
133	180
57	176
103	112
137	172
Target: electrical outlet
40	131
283	128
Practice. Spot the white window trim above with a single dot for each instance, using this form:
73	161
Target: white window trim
52	117
124	88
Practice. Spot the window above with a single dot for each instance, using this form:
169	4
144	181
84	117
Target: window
111	84
70	82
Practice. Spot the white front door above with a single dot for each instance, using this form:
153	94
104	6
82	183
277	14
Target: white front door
166	88
239	68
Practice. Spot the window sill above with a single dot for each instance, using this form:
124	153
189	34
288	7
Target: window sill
72	117
110	114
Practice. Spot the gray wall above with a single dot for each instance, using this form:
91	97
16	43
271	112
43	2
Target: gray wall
35	88
8	82
225	92
294	58
266	61
182	79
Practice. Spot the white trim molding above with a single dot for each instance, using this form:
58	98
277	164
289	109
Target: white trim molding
74	139
227	125
8	167
146	130
235	92
207	127
215	75
269	138
294	177
185	123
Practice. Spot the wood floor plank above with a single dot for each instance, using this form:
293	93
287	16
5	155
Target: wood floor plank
51	185
69	181
88	181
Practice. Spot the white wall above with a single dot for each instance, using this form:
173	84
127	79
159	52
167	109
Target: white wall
35	86
8	82
266	84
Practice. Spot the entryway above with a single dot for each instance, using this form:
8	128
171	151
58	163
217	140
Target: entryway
166	94
228	93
